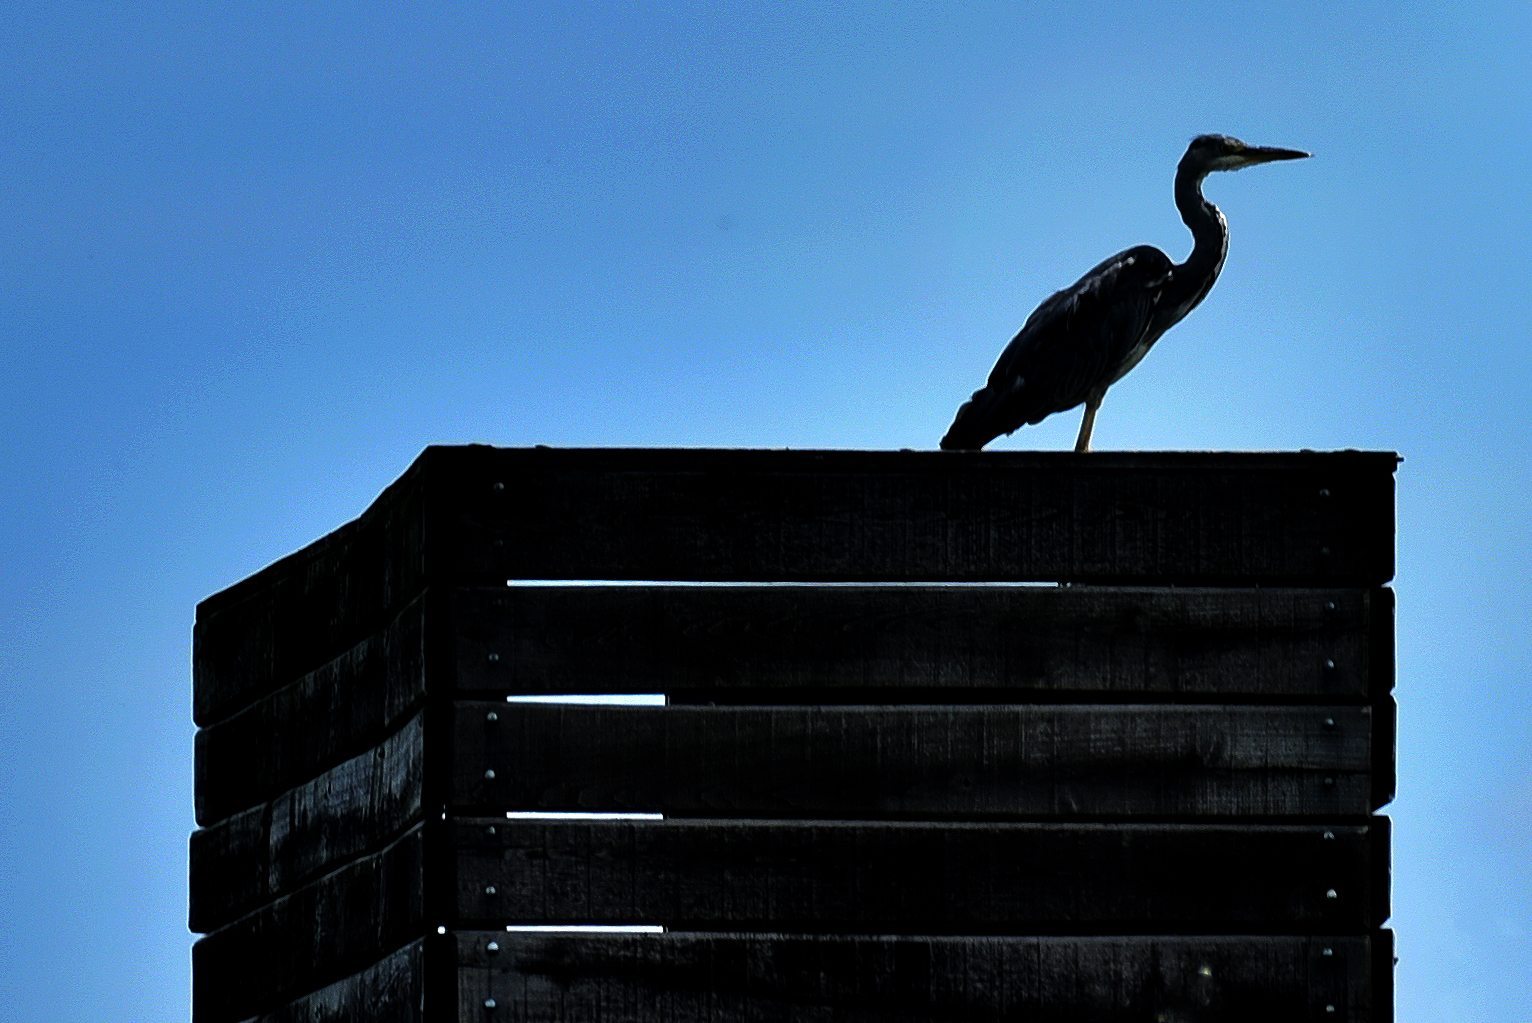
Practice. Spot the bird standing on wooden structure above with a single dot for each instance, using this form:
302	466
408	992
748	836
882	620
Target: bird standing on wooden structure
1083	339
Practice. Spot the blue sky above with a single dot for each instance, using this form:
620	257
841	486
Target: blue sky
255	259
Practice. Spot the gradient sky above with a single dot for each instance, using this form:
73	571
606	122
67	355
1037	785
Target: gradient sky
254	259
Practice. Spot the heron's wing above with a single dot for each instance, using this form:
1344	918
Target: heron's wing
1078	336
1070	346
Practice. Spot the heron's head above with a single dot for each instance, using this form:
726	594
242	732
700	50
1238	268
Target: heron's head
1225	153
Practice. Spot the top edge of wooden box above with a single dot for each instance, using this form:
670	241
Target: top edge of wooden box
485	514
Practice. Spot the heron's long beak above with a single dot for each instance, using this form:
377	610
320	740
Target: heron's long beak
1267	154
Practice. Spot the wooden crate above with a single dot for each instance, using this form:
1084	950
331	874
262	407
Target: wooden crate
947	737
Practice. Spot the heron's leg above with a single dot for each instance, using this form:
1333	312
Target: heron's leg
1082	443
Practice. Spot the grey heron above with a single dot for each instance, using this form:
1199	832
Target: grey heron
1083	339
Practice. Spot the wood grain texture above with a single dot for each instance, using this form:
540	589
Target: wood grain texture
392	990
731	978
308	608
477	515
1211	518
1383	971
328	715
329	929
746	643
920	877
1385	709
860	762
1233	598
270	850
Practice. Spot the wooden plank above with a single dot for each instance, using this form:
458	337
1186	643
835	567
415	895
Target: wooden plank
229	870
1385	718
307	608
1385	710
325	931
337	711
860	762
354	808
919	877
690	978
1381	883
490	515
1383	968
705	643
1206	517
391	990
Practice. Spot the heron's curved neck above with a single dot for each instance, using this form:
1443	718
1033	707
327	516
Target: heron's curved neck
1210	237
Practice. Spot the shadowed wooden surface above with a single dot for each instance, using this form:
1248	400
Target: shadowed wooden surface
314	720
857	762
907	775
764	645
392	990
485	515
921	877
354	808
765	978
337	925
1000	642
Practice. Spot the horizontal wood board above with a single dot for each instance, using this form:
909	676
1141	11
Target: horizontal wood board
922	877
484	515
874	644
325	716
307	669
308	608
268	851
835	642
392	990
802	515
912	879
787	978
1010	642
855	762
860	762
713	978
333	927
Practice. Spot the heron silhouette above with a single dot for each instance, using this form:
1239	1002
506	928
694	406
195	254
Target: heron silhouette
1082	340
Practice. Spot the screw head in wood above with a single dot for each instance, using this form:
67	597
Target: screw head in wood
1324	491
1330	605
489	774
1329	664
1205	970
441	928
492	716
498	487
1328	836
493	946
489	889
494	658
1329	722
1331	894
489	1003
1327	951
1329	1008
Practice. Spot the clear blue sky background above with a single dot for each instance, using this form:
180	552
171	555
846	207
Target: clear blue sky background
254	259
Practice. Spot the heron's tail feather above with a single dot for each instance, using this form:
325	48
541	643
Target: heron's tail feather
971	428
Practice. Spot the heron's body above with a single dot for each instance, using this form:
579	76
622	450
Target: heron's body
1083	339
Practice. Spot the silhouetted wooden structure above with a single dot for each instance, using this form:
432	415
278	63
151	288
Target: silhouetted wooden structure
906	786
